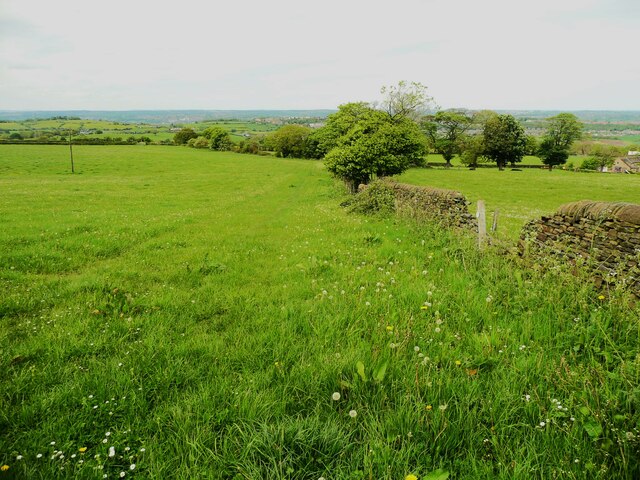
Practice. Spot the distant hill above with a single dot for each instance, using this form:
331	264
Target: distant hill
591	116
190	116
162	116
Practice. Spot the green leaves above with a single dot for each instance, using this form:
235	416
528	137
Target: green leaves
593	429
379	372
360	369
438	474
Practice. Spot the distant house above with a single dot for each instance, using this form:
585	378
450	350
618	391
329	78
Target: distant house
628	164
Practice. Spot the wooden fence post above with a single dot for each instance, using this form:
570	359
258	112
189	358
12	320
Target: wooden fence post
482	224
494	225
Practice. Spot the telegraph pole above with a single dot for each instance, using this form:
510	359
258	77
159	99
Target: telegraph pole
71	152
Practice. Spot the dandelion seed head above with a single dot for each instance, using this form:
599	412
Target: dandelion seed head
335	396
353	413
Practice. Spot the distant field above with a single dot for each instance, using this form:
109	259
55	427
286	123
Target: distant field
168	312
239	130
524	195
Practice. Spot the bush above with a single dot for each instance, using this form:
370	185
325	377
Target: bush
591	163
377	199
184	135
199	142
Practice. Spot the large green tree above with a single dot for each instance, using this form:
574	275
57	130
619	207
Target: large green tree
445	131
505	140
562	130
370	143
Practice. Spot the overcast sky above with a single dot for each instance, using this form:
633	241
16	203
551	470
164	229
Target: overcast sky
297	54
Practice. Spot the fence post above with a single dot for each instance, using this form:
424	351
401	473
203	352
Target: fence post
494	225
482	224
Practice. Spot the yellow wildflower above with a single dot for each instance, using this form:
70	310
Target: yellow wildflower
411	476
82	449
458	363
390	328
4	468
429	407
601	297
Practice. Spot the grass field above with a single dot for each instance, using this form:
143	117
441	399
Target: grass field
521	196
28	128
178	313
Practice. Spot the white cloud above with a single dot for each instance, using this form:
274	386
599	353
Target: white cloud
292	54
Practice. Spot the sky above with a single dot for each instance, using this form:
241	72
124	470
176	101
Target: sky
297	54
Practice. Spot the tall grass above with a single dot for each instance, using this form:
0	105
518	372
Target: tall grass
198	312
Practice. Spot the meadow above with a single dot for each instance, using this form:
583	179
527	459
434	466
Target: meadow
520	196
169	312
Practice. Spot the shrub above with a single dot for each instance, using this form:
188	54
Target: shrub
377	199
199	142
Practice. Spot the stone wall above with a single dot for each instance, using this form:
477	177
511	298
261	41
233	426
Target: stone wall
605	237
434	204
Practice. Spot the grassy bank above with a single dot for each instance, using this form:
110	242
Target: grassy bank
210	315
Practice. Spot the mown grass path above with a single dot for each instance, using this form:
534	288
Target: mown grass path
173	313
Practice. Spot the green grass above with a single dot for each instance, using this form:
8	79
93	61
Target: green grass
206	306
437	158
524	195
237	129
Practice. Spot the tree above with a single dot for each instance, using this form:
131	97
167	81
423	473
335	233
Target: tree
374	144
504	139
532	145
406	100
562	130
339	124
219	138
603	157
472	147
291	141
184	135
444	130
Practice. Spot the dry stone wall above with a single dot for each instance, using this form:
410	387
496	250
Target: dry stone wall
603	236
448	207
